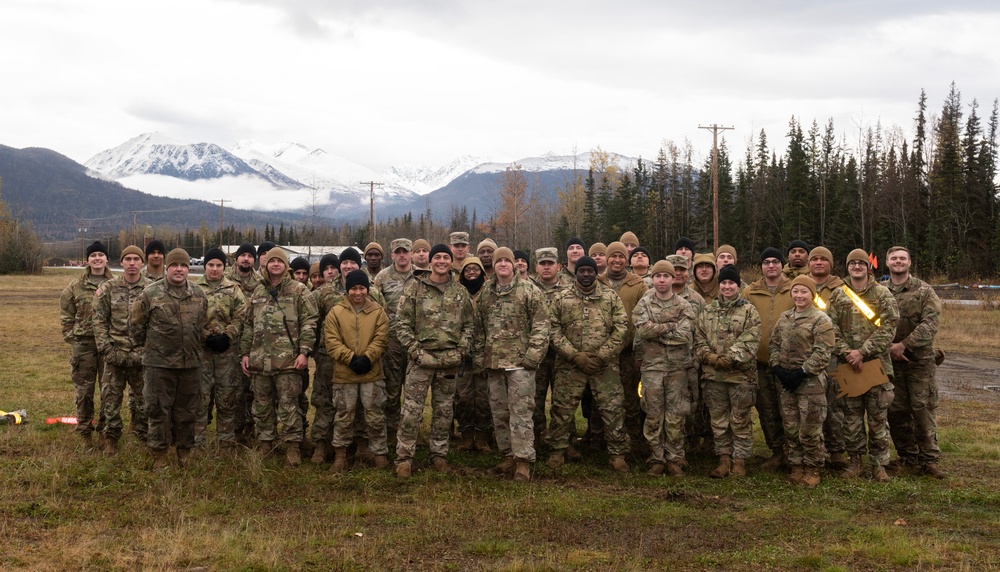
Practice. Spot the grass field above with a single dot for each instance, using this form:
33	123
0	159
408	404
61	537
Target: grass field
62	508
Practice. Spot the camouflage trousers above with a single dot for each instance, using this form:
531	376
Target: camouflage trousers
276	401
729	406
697	423
221	388
874	405
769	408
304	404
544	378
394	371
441	384
802	413
245	430
634	416
472	402
666	398
116	379
173	399
371	397
567	391
322	399
86	368
913	413
833	425
512	403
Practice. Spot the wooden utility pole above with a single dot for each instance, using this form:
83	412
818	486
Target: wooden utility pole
222	209
371	208
715	128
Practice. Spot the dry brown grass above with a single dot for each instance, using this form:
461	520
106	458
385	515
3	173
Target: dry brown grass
969	330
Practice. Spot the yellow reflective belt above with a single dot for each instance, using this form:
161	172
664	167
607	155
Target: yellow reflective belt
860	305
818	300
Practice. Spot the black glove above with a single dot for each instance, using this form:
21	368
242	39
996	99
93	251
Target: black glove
218	343
356	364
780	373
364	365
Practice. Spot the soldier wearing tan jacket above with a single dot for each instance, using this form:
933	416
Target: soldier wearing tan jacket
821	272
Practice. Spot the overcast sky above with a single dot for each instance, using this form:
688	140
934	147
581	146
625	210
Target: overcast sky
422	82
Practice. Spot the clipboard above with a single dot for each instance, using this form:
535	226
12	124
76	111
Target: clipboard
854	384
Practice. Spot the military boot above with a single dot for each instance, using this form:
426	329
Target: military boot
556	459
796	477
810	477
440	465
838	461
182	457
467	443
159	459
482	442
775	462
293	455
738	468
618	463
879	474
364	453
505	467
655	470
853	469
675	470
111	446
404	470
572	454
319	453
381	462
932	470
339	460
88	440
265	448
522	473
725	466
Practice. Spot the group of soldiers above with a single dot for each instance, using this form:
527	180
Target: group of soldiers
664	358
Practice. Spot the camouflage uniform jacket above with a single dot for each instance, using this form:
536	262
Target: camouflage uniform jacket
279	328
227	308
919	316
630	289
595	323
169	322
351	332
856	332
76	305
246	283
511	326
826	289
803	340
325	297
664	332
769	307
564	282
112	306
149	277
434	322
693	298
389	283
730	329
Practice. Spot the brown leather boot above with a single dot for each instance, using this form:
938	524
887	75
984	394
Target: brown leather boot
522	473
505	467
879	474
675	470
339	460
160	459
838	461
775	462
440	464
182	457
381	462
319	454
810	477
618	463
796	477
572	454
725	466
404	470
556	459
293	455
739	468
853	469
655	470
110	446
932	470
88	440
468	442
481	442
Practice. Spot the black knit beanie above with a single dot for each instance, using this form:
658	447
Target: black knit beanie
265	246
439	248
684	242
771	252
215	254
586	261
328	260
573	241
245	248
155	244
649	257
522	255
729	272
350	254
797	244
98	246
356	278
299	263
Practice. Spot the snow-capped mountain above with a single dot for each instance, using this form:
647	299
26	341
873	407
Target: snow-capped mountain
552	162
423	180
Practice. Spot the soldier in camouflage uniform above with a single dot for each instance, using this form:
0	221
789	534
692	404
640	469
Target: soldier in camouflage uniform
434	323
511	339
278	336
76	315
122	359
154	270
390	282
821	271
589	327
726	338
801	346
325	297
221	385
664	324
913	413
860	339
243	273
551	282
697	427
168	320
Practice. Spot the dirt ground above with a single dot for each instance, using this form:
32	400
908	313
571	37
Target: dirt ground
969	378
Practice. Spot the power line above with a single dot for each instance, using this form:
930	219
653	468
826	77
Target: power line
715	128
371	207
